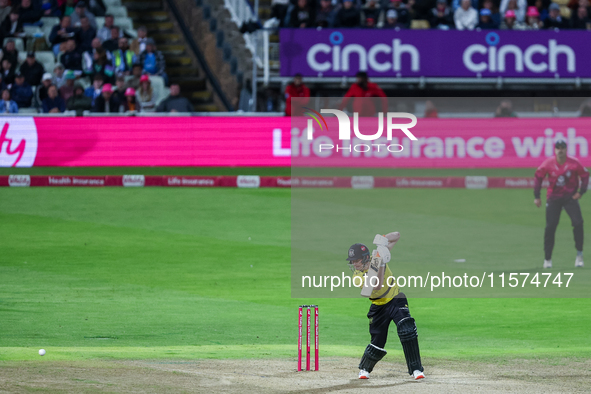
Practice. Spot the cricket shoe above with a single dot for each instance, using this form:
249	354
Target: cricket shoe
363	374
418	375
579	261
547	263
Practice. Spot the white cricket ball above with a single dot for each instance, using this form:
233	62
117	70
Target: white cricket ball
42	352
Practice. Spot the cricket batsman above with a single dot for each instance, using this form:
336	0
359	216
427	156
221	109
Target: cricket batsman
568	182
387	304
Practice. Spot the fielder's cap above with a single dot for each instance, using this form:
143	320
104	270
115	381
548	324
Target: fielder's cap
357	251
560	144
532	11
144	78
130	92
47	77
30	54
392	14
485	12
70	75
554	6
510	14
108	88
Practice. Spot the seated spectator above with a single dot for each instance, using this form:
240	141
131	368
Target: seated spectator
175	102
279	11
71	58
519	6
104	33
61	33
348	15
585	109
106	102
9	52
79	102
542	6
533	19
4	9
102	65
12	26
7	106
392	20
7	72
510	22
119	91
32	70
404	17
88	56
136	72
325	14
86	34
21	92
81	11
455	4
95	89
505	110
430	110
97	7
41	91
486	21
29	13
372	15
130	104
360	91
441	16
581	19
495	15
138	45
554	19
466	17
53	103
67	90
296	89
58	75
146	97
303	15
51	8
123	58
112	44
153	61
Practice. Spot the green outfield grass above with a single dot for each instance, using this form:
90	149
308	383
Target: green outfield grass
205	273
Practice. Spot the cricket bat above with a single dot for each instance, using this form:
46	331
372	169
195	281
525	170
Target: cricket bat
374	266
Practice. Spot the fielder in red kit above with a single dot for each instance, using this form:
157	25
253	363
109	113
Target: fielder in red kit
568	182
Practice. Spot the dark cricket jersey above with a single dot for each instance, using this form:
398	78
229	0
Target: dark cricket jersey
564	179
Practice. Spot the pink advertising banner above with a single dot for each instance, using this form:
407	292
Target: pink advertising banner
277	141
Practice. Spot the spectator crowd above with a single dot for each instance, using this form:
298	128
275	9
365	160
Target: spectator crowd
439	14
97	69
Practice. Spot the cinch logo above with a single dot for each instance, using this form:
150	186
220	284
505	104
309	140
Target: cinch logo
323	57
494	58
18	142
345	131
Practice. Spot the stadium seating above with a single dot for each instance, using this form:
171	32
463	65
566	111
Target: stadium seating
117	11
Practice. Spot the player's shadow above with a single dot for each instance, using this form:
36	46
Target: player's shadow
355	384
